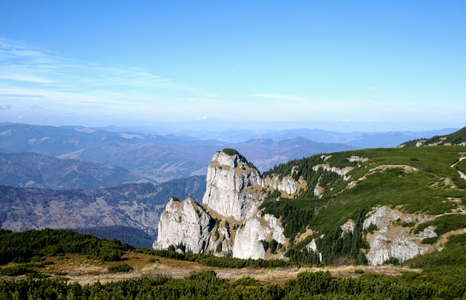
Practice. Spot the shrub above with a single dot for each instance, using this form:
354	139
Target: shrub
392	261
273	246
230	151
430	241
14	271
246	281
358	271
372	228
120	268
154	260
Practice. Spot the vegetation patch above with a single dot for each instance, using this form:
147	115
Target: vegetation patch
120	268
214	261
230	151
246	281
430	241
439	283
444	224
23	246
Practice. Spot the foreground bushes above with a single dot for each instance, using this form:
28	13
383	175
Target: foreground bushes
436	283
121	268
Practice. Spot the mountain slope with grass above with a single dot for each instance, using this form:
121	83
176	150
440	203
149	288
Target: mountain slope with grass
393	204
457	138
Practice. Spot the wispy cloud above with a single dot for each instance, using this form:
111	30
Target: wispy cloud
5	107
23	77
27	70
278	96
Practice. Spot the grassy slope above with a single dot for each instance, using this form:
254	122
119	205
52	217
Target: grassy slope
392	187
454	138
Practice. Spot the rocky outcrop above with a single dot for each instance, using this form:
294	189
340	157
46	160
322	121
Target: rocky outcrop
184	223
390	239
248	239
287	184
312	246
247	242
233	193
327	167
228	180
348	226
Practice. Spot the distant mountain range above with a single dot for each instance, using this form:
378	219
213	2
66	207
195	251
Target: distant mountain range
356	139
266	153
158	157
35	170
135	205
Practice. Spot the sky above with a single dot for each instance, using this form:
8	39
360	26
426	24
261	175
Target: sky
213	65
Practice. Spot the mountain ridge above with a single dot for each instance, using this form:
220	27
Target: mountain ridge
29	169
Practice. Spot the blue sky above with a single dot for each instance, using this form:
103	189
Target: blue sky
336	65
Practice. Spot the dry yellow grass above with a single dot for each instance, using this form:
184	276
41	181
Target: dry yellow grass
87	271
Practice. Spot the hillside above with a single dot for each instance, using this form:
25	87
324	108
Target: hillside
40	171
399	202
368	206
455	138
135	205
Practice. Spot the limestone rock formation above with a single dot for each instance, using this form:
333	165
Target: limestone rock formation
184	223
348	226
392	240
247	241
233	192
230	186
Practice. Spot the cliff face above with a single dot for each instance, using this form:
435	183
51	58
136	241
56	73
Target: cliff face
232	197
185	223
230	183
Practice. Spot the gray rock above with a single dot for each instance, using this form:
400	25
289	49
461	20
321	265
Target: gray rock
228	177
184	223
391	240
